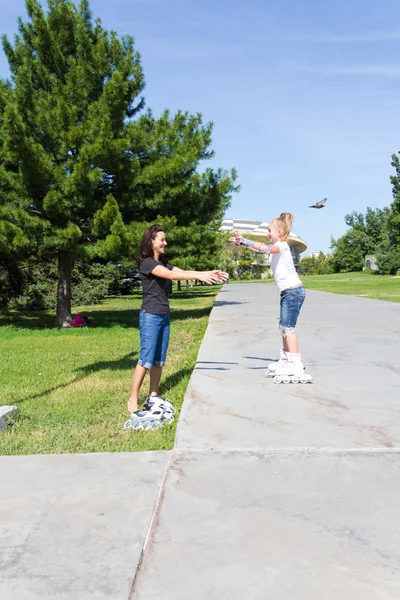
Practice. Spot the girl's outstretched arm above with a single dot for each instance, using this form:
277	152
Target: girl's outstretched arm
239	240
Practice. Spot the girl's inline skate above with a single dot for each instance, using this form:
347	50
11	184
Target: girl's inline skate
292	371
274	366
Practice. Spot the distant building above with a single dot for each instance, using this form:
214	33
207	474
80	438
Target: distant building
260	228
317	254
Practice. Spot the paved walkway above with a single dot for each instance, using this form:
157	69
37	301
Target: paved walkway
272	492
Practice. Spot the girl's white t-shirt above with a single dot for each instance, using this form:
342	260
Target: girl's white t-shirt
283	269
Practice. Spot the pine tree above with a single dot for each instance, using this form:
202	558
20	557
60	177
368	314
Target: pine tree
79	177
172	191
168	152
64	166
394	217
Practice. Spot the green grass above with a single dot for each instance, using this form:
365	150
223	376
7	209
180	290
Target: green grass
362	284
71	386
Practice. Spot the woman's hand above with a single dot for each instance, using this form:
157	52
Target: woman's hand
209	277
223	276
236	237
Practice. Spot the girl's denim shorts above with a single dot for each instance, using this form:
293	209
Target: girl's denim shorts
154	338
291	303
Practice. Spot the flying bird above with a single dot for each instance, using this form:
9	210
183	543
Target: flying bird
319	204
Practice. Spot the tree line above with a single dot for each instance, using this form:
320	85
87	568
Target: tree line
84	167
375	232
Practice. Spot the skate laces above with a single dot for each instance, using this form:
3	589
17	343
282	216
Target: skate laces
160	401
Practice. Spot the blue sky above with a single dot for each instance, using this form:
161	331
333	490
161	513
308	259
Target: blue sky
304	95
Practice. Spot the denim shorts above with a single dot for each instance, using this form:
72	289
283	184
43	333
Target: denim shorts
154	338
291	303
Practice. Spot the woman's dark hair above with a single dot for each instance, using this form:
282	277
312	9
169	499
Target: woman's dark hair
146	246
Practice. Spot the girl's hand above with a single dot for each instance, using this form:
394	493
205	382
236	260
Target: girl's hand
236	237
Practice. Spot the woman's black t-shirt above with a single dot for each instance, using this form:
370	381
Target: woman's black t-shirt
156	290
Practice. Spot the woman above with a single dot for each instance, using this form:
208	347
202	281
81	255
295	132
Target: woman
156	275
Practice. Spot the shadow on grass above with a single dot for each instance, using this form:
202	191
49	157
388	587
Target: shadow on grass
193	313
192	294
173	380
96	318
126	362
112	318
27	320
130	318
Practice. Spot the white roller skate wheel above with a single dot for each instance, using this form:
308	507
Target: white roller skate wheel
277	379
296	380
146	426
128	424
135	425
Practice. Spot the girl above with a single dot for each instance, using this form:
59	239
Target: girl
156	275
292	293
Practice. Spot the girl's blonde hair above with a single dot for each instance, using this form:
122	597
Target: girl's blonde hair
284	222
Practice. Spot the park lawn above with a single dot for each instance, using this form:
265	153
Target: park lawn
71	385
362	284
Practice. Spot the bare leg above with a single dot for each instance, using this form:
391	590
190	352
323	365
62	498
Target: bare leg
138	377
291	344
155	376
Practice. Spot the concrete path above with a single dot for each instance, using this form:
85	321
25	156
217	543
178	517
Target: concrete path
284	492
351	346
272	492
72	527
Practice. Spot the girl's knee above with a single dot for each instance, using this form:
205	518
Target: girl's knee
285	330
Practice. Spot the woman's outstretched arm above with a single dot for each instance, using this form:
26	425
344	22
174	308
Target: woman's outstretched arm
177	274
